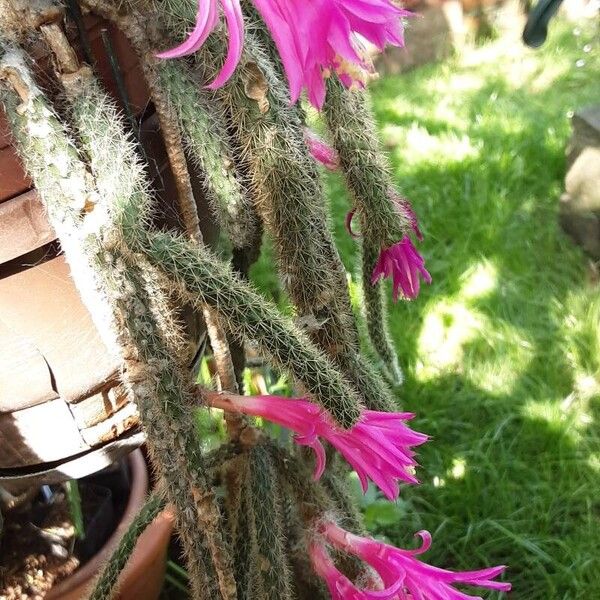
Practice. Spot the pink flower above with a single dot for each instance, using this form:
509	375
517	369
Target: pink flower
403	575
378	446
206	21
321	151
404	265
314	38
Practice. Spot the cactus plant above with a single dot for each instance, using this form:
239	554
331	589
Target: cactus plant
249	515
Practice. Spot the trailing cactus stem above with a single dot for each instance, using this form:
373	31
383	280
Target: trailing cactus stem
106	585
270	576
350	121
131	25
163	78
164	401
307	584
62	179
203	279
207	143
107	287
376	315
288	192
236	502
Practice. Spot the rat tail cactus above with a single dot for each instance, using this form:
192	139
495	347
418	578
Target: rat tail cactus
258	517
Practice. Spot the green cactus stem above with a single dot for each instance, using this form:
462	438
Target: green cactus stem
204	279
376	315
289	197
350	121
270	576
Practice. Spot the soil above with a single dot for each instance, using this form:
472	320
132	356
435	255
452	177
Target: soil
35	555
39	547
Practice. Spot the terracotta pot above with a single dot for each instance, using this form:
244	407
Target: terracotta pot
143	576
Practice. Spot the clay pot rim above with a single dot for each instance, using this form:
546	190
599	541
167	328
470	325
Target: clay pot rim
137	497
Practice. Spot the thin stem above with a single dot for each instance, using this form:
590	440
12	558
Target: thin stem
106	585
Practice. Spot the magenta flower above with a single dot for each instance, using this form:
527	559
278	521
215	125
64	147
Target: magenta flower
403	575
404	265
321	151
314	38
340	587
378	446
206	21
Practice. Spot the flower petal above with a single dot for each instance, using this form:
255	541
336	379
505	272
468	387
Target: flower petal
235	27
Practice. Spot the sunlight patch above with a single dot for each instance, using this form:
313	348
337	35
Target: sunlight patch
458	469
479	281
418	145
447	327
573	422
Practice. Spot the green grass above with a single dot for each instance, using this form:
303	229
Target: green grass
502	352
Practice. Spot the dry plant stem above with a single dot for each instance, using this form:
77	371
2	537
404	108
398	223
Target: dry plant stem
235	422
116	301
19	17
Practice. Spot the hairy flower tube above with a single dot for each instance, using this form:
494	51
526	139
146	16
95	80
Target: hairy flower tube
321	151
404	266
403	575
378	446
406	210
313	37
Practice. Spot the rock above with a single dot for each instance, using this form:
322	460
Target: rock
580	204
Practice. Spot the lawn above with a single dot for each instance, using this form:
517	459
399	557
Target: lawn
502	353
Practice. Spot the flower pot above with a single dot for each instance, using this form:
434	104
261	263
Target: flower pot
142	578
